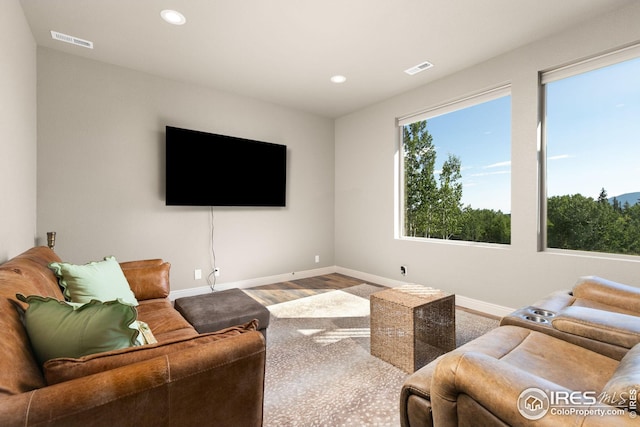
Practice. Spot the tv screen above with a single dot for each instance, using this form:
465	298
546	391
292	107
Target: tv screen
206	169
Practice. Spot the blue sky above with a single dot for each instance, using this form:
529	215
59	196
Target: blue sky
481	137
593	132
593	139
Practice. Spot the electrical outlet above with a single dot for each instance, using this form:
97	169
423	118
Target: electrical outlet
197	274
216	271
403	270
317	258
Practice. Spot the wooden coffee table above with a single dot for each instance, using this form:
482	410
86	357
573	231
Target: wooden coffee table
411	325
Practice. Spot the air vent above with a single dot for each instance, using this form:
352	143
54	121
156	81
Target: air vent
70	39
420	67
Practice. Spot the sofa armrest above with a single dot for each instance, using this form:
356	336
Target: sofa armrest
65	368
220	383
609	293
609	327
148	279
496	386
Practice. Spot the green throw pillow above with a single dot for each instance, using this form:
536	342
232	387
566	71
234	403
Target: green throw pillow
59	329
97	280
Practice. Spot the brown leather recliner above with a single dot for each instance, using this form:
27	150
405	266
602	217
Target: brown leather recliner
580	353
597	314
482	384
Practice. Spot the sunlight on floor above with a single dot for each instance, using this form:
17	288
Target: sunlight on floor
325	337
329	304
414	289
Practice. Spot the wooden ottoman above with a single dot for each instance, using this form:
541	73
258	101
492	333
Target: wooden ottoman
222	309
411	325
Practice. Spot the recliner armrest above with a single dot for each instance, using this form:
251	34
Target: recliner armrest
607	292
604	326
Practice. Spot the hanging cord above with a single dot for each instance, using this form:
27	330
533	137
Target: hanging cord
212	273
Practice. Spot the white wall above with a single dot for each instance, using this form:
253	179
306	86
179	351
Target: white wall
511	276
101	174
17	132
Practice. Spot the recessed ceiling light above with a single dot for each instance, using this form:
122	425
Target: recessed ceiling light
338	79
173	17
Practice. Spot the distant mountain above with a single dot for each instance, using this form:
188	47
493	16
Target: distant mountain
632	198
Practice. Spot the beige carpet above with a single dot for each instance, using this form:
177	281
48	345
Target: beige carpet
319	370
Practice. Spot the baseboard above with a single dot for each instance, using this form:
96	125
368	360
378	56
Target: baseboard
250	283
379	280
461	300
483	306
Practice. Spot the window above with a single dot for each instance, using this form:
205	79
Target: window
456	170
592	151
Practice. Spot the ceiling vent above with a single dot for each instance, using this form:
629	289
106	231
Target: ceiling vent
420	67
70	39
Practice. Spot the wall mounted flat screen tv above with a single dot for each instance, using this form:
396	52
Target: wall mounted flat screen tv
206	169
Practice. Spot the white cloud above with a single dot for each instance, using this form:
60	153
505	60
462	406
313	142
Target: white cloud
560	157
491	173
498	165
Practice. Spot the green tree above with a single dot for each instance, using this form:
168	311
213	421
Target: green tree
570	222
449	207
433	208
485	225
602	198
581	223
420	184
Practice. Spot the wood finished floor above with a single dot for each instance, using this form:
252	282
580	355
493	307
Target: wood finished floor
293	289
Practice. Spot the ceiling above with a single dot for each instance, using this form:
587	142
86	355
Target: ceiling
285	51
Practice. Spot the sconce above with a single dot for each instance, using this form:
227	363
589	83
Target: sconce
51	239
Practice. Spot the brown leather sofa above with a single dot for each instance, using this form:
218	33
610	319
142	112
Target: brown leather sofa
589	372
185	379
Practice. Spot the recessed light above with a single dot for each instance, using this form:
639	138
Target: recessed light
173	17
338	79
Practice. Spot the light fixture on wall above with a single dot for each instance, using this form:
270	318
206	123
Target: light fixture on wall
51	239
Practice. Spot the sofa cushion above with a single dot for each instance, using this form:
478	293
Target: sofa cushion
625	381
32	266
64	369
147	280
97	280
59	329
164	320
